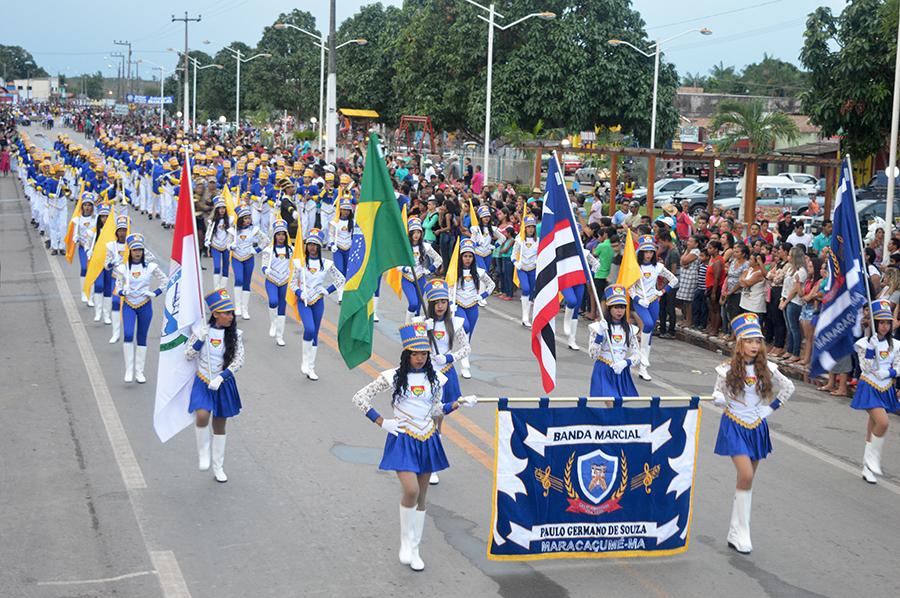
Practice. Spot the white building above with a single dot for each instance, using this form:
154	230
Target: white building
37	90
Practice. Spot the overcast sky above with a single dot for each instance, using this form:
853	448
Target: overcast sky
73	37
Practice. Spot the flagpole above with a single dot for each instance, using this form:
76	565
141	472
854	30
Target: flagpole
587	273
862	248
196	244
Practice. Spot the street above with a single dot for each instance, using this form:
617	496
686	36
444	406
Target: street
92	504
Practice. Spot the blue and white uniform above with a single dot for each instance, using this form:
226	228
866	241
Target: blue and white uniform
84	233
217	241
645	299
341	233
614	349
276	267
483	238
312	280
133	287
427	260
446	354
524	259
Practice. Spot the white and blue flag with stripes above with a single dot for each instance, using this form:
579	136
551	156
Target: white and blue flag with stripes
838	322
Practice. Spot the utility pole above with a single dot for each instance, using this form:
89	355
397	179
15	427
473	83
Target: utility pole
129	86
120	87
184	112
331	118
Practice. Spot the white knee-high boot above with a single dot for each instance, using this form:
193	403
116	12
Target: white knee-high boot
526	309
92	299
867	474
273	313
645	357
279	330
567	321
217	281
237	300
374	308
409	317
218	457
464	370
874	460
245	305
203	447
140	358
305	348
416	563
573	333
311	362
116	328
739	531
84	297
406	527
107	310
128	352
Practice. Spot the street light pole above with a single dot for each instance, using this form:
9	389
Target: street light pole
331	115
186	19
491	21
238	55
655	92
197	67
891	169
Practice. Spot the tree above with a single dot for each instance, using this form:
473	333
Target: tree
773	77
851	69
93	85
724	79
366	73
748	120
17	63
695	80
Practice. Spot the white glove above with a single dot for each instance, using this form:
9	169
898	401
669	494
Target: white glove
392	426
215	383
468	401
619	366
873	340
719	400
439	359
201	332
765	411
883	373
643	303
482	302
429	324
595	327
660	293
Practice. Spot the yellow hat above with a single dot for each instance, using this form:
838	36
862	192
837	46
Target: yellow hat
308	173
329	176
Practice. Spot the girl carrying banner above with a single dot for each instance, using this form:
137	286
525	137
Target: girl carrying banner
84	235
614	347
115	254
413	448
879	361
219	351
749	388
646	296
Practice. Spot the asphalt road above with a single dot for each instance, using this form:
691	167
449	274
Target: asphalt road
92	504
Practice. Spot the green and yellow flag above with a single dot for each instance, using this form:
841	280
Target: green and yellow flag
381	246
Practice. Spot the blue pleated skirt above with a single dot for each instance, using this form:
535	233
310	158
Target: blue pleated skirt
606	383
869	397
225	402
451	390
735	439
405	453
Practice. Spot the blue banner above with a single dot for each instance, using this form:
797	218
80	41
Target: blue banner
586	482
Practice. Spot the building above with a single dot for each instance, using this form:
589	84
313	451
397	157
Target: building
40	89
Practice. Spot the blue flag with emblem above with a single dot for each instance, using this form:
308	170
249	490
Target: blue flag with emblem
838	322
585	482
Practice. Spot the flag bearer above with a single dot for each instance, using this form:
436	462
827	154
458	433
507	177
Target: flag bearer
427	260
276	267
245	240
473	287
413	448
84	235
219	352
524	259
750	388
879	360
341	236
217	238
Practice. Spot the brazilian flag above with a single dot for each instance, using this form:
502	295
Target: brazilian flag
379	245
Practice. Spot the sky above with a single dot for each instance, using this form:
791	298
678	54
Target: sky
80	34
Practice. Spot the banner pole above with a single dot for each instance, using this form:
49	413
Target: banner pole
575	399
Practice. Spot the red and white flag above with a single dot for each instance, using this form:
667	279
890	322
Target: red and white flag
183	310
560	265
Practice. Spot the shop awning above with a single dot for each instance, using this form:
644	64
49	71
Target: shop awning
354	113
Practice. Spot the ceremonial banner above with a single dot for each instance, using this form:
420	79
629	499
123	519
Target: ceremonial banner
183	311
585	482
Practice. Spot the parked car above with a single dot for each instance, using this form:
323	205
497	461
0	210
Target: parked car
697	194
876	188
570	163
801	177
663	189
795	198
590	172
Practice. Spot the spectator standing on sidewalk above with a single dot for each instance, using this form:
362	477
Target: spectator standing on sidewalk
688	278
672	261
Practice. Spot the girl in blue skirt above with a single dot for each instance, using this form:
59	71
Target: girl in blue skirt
413	448
427	261
449	341
219	352
749	388
614	348
645	296
879	360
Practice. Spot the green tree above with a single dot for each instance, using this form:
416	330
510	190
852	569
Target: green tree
18	63
93	85
773	77
748	120
695	80
724	79
851	68
366	73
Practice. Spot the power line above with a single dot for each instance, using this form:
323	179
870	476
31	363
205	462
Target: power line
718	14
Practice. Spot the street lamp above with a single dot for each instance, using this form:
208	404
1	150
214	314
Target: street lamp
321	42
162	87
238	58
491	21
654	51
197	67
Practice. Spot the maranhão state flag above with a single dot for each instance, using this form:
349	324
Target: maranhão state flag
183	311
